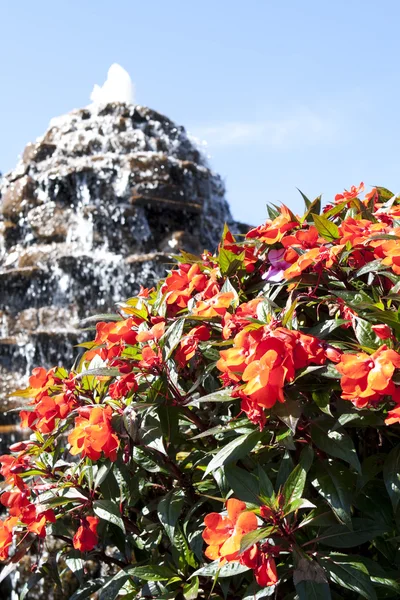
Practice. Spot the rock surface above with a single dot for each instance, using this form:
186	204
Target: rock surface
92	210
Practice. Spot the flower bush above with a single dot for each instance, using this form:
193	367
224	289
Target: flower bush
233	433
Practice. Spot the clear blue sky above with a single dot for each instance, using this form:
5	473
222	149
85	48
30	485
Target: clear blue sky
288	93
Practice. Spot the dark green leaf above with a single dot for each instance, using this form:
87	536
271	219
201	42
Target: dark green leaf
322	399
227	570
335	443
289	413
391	476
234	450
340	536
334	483
348	574
294	485
151	572
169	509
88	589
108	511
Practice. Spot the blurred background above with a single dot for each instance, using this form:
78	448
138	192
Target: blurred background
286	94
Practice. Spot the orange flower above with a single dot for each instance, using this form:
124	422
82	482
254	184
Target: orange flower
358	231
303	238
6	531
215	306
36	520
93	434
273	231
152	334
123	386
393	416
391	253
181	283
223	534
188	346
117	332
15	501
85	539
349	195
367	378
311	257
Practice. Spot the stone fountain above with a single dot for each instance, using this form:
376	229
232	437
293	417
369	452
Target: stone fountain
94	208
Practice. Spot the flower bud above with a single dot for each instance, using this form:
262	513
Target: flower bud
382	331
267	513
19	446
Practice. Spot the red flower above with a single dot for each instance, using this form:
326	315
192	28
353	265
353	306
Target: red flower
85	539
123	386
188	346
263	565
223	534
382	331
6	531
152	334
349	195
367	378
93	434
215	306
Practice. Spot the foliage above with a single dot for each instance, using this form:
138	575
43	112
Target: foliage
246	412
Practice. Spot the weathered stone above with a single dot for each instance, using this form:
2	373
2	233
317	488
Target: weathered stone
49	222
17	197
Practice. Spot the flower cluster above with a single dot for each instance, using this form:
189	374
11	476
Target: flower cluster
265	377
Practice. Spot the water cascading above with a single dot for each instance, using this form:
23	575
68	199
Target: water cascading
94	208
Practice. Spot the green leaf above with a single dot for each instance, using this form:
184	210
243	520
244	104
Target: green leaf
254	592
247	486
227	570
322	399
110	591
108	511
75	563
191	589
253	537
285	468
391	476
294	486
219	396
310	580
307	202
102	473
234	450
364	334
88	589
172	337
169	509
340	536
289	413
322	330
102	371
151	572
30	584
229	262
314	207
328	230
351	575
334	483
335	443
370	267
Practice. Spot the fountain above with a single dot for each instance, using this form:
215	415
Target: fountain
93	209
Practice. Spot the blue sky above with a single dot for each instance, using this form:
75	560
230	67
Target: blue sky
288	94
